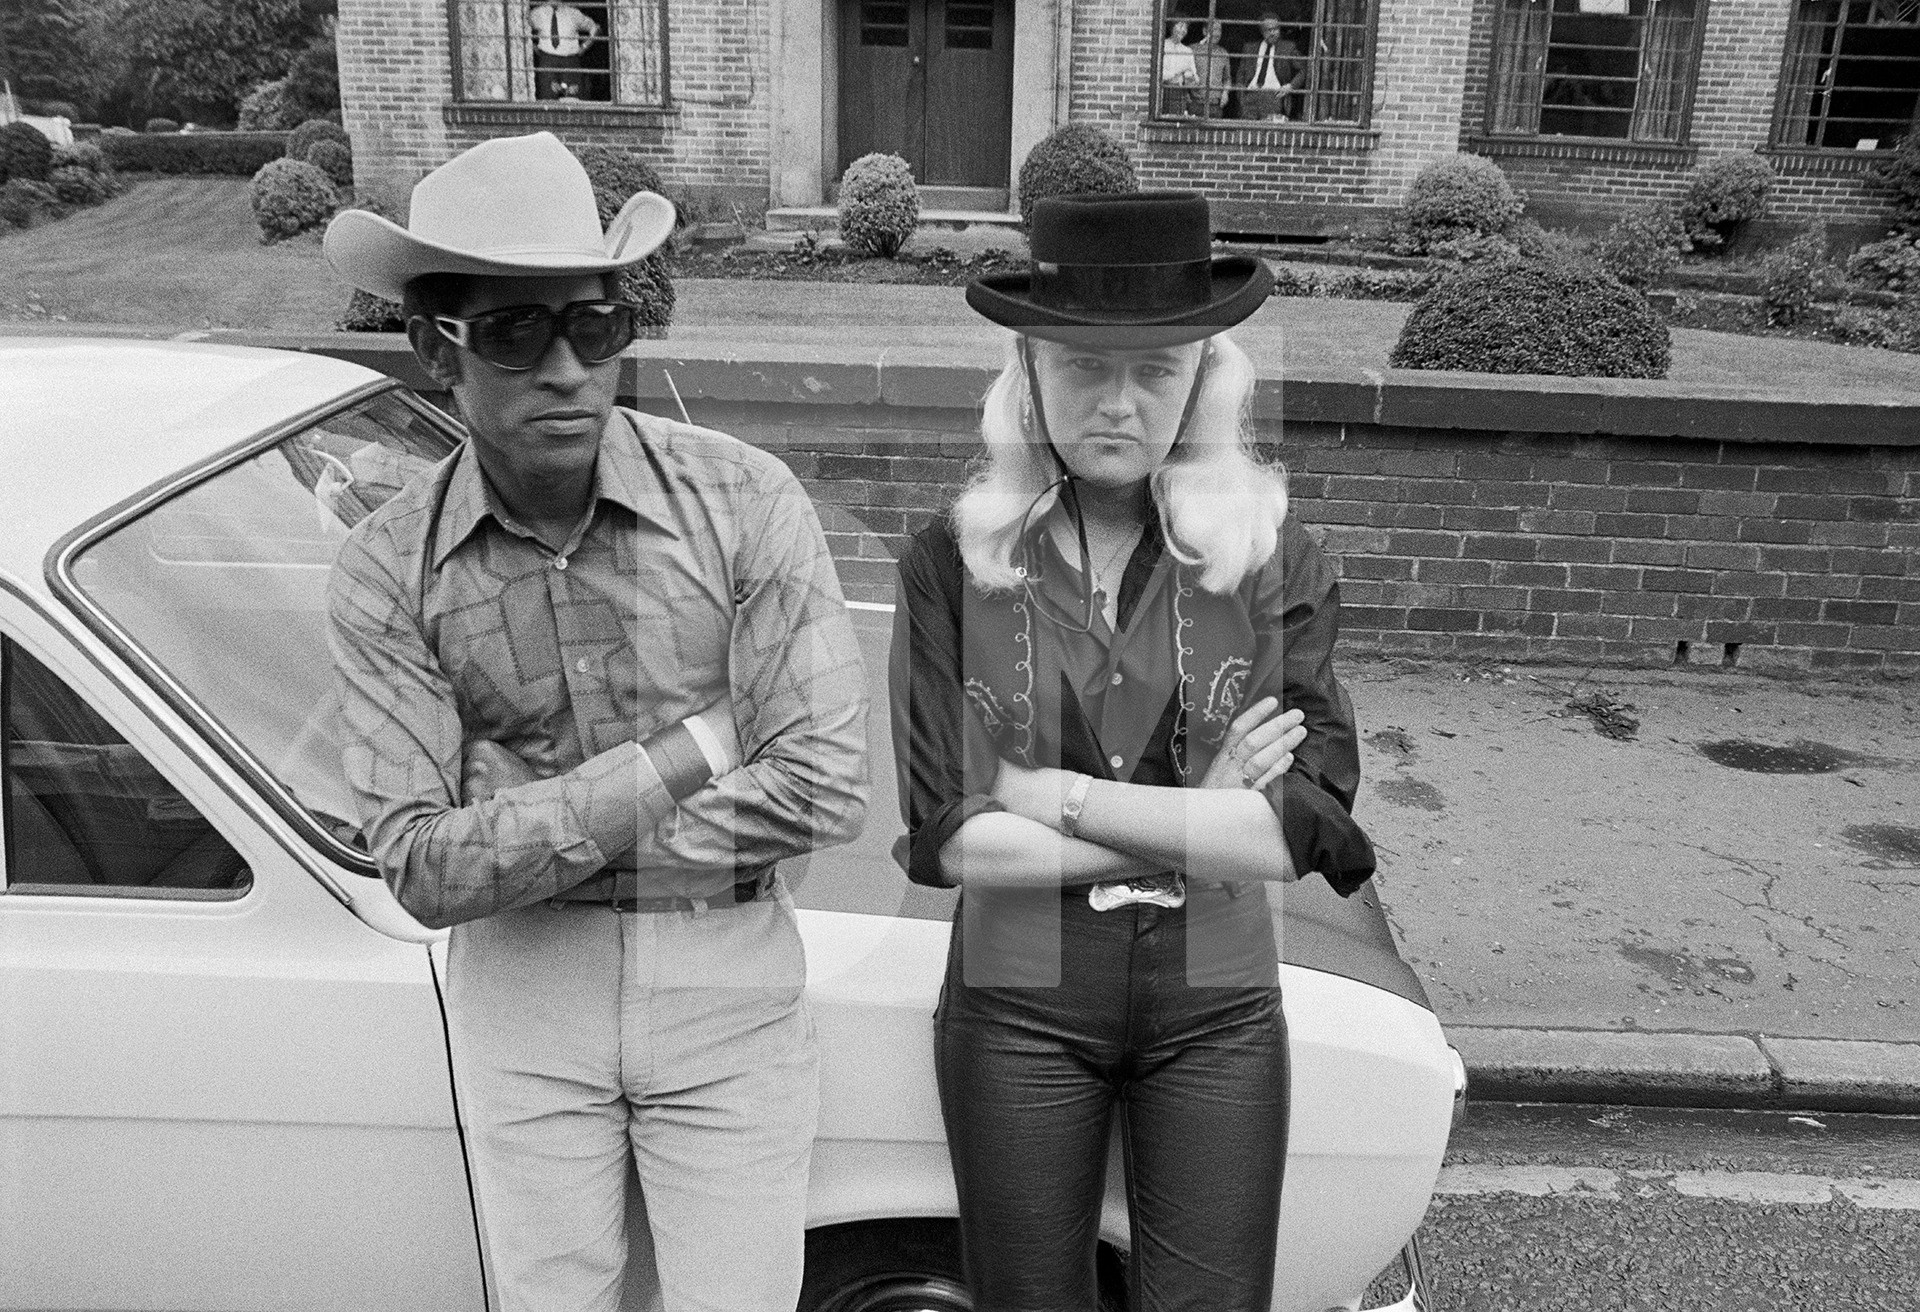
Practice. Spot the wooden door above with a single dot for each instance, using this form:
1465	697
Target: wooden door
932	82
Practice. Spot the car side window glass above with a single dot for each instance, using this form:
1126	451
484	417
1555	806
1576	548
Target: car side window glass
84	812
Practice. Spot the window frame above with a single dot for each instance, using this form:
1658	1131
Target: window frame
513	103
1682	140
1369	68
1783	91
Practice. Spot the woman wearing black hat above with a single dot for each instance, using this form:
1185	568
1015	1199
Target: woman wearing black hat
1119	731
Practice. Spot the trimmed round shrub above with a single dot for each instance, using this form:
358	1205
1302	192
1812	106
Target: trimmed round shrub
617	176
291	196
1722	194
1790	277
269	107
879	204
24	153
65	109
1453	198
334	160
80	155
77	186
1901	176
301	139
1533	317
367	313
161	125
23	200
1643	246
1892	265
1074	160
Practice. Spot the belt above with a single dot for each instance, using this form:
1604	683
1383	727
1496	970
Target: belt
619	890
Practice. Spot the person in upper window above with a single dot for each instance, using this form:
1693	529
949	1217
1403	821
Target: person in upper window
1276	71
561	35
1214	65
1118	732
1178	77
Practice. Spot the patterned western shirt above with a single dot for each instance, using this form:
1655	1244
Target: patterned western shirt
700	572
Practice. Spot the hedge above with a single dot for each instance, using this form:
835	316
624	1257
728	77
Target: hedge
232	154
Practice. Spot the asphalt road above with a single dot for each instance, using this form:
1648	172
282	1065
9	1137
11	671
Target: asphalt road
1592	1209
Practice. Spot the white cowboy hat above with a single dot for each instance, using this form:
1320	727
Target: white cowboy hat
511	207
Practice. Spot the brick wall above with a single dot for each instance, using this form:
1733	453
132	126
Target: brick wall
396	79
1794	556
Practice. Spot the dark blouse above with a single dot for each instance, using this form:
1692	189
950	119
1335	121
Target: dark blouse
978	677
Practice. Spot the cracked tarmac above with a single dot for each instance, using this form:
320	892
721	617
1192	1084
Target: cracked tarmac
1541	874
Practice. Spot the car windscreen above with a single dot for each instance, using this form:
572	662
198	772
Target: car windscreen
223	585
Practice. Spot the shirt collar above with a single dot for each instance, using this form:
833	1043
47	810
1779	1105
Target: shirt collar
619	476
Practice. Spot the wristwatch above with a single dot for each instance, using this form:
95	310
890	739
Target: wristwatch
1072	804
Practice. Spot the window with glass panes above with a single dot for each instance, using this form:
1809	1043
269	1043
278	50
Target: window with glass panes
1852	75
1273	61
607	52
1622	69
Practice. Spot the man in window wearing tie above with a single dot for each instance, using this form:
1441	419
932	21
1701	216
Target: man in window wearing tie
1276	70
561	34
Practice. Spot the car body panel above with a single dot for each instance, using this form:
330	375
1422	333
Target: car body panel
252	1095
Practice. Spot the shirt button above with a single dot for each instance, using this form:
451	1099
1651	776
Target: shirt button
583	665
1116	678
560	562
1117	761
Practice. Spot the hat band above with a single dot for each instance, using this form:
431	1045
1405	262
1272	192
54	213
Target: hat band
1187	284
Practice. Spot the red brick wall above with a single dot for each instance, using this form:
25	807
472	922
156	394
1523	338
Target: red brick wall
396	78
1509	545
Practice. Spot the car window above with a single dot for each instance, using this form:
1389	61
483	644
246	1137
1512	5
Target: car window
224	585
85	812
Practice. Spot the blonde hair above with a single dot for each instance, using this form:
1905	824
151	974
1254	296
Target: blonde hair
1220	506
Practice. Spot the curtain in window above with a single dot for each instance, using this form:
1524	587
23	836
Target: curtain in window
1340	61
1520	64
1666	58
1801	88
493	55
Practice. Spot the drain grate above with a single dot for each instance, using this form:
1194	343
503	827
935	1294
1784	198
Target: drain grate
1772	758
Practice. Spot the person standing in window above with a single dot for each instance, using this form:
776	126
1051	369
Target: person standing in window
1178	78
1215	68
596	680
561	34
1118	731
1275	73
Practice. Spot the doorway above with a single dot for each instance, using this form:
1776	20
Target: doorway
932	82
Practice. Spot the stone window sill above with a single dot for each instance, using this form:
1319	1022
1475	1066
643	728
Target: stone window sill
1809	159
555	114
1593	150
1232	134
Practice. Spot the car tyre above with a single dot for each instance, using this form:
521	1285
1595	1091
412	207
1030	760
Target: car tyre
908	1266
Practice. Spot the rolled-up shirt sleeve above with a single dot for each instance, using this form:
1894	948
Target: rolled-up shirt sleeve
446	862
799	694
1296	617
944	757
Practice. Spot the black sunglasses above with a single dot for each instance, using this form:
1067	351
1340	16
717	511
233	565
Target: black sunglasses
517	336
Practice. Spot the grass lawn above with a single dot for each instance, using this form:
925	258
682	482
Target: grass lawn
170	252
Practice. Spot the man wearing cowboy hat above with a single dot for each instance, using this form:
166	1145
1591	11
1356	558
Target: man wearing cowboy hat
597	680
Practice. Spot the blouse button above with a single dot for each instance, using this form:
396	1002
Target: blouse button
1116	678
583	665
1117	761
560	562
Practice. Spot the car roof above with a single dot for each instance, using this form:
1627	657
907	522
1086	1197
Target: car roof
88	423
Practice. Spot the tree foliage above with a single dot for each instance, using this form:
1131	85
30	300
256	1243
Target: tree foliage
47	48
201	57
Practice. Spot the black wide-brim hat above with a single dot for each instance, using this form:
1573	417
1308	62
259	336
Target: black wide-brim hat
1134	269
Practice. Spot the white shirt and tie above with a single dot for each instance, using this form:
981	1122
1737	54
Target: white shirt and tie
560	29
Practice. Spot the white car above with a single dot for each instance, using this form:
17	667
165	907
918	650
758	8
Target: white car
223	1064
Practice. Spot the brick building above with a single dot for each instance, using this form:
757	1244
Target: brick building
1307	122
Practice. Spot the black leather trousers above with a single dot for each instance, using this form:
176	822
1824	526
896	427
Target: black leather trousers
1030	1078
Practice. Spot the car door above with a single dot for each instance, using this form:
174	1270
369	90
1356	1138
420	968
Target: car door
218	1089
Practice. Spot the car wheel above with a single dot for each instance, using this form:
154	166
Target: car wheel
885	1266
908	1266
